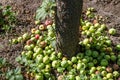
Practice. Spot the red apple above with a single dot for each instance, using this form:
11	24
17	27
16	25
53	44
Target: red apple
109	69
97	72
28	42
115	66
48	22
37	36
43	44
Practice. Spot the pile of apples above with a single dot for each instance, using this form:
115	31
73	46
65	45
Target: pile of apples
96	61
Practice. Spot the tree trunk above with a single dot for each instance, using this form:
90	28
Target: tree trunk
68	13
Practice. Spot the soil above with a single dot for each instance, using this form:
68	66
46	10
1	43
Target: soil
26	9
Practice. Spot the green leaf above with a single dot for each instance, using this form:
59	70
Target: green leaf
45	10
17	70
12	78
18	77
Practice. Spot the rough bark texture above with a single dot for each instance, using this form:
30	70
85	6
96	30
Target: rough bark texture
68	15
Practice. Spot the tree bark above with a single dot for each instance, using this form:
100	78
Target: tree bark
67	20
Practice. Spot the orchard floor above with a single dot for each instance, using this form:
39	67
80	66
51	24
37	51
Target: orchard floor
25	21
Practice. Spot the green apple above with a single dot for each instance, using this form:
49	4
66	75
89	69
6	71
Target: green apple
96	25
92	30
92	70
35	48
64	63
14	41
74	66
108	42
25	36
99	68
37	22
74	60
103	26
88	33
116	74
113	58
49	51
118	47
97	33
80	55
28	47
48	67
85	27
32	46
88	53
90	64
69	68
53	57
87	57
118	62
41	66
51	34
100	29
49	27
95	61
85	41
37	31
33	30
95	54
39	58
82	72
69	63
71	77
105	78
83	33
47	48
104	62
33	39
77	78
109	75
42	27
19	39
60	69
47	75
80	66
91	27
39	50
55	64
39	76
112	31
46	59
107	57
118	56
103	73
23	53
102	54
85	60
72	72
88	13
29	54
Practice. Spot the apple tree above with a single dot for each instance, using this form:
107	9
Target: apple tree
67	20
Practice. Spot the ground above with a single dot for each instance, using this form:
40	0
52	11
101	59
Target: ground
25	21
25	10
